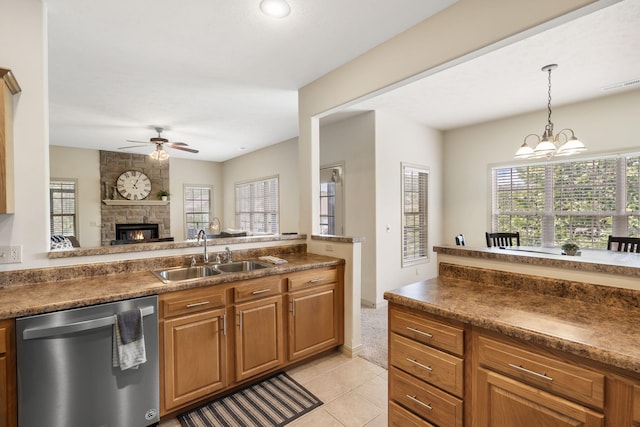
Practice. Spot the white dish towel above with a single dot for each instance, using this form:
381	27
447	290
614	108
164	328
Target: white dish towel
128	340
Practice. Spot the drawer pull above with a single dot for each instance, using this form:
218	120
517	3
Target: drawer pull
315	280
415	399
415	362
261	291
527	371
196	304
426	334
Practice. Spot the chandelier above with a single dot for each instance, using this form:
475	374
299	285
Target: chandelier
548	145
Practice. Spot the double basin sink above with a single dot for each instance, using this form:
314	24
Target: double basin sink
177	274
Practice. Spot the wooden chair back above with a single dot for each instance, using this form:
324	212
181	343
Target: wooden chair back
624	244
503	239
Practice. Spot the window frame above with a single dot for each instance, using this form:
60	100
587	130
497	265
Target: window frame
410	259
185	189
271	226
74	215
557	195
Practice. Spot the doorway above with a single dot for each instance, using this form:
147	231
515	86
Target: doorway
332	200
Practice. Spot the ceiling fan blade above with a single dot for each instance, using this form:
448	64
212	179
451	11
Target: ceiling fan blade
184	144
191	150
139	142
131	146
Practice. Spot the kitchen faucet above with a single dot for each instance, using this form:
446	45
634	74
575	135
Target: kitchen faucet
204	236
227	252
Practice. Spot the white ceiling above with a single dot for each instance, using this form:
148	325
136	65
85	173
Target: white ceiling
219	75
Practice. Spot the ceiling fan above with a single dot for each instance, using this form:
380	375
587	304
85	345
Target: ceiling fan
160	142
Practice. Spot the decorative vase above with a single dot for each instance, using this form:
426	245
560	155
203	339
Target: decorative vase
164	198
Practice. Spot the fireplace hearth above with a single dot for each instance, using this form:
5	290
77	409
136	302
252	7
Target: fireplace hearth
138	233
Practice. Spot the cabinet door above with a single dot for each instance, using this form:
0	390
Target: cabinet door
8	410
194	357
313	321
505	402
259	336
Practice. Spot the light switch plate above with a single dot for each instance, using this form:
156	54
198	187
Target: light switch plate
10	254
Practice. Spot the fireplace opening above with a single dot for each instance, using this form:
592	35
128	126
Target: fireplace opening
138	233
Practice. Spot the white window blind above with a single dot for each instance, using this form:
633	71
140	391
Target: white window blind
257	206
198	206
581	200
62	207
415	183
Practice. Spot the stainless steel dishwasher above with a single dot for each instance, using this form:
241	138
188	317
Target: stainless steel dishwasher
65	373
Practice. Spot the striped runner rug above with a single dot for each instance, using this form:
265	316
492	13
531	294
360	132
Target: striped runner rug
275	401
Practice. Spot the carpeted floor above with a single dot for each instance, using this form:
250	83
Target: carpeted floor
373	324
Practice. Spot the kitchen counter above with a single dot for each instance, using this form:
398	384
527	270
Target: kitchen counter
590	260
585	320
25	298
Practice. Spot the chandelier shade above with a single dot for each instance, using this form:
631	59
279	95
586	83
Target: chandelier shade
564	143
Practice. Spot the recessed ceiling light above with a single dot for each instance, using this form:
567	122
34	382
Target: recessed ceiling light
275	8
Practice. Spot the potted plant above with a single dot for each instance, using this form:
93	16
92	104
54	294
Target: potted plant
163	194
570	248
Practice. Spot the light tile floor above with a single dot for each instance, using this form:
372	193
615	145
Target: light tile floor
353	390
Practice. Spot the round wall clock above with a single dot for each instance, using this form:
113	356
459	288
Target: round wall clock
133	185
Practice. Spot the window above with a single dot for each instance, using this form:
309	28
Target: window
62	207
331	182
582	201
197	208
257	206
415	183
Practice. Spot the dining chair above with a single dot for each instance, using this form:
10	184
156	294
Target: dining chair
460	239
502	239
624	244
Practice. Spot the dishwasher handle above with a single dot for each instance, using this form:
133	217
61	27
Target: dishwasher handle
69	328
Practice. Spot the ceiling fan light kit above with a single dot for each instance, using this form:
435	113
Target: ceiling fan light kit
565	143
159	152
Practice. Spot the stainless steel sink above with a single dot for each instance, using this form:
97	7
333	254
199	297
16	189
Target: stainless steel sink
185	273
239	266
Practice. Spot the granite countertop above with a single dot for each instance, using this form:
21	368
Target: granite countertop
591	260
599	332
28	299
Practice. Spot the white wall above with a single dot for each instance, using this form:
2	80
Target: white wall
352	142
187	171
372	147
399	140
84	166
606	124
23	35
281	160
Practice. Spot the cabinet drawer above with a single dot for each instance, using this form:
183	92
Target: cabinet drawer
257	288
553	375
191	301
427	331
318	276
427	401
438	368
400	417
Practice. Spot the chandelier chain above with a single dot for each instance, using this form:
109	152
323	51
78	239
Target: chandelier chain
549	123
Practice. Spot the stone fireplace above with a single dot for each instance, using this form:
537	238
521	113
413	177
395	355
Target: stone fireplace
115	210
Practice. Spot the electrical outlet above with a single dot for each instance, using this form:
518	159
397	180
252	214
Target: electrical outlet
10	254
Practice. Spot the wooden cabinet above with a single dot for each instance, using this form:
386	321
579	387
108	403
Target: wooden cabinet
259	336
8	407
194	342
214	338
426	368
517	383
505	402
8	87
315	307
